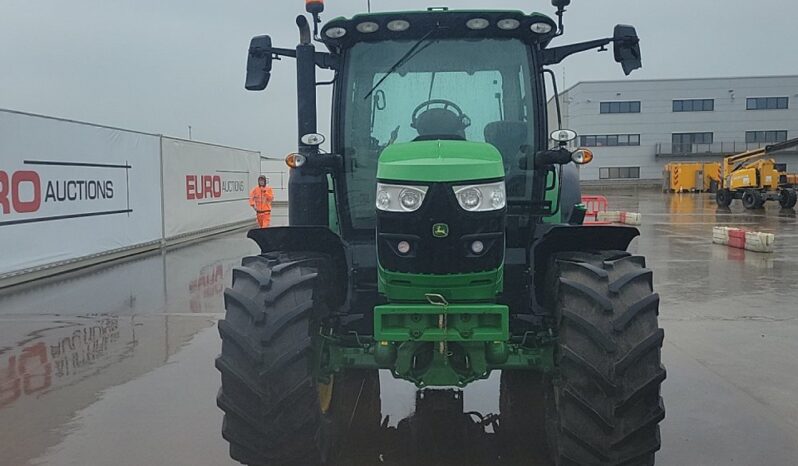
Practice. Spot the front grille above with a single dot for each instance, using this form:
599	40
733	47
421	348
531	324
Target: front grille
448	255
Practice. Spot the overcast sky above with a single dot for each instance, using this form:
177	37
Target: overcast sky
161	65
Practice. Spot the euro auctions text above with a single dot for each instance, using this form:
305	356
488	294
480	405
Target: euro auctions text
24	191
48	190
211	187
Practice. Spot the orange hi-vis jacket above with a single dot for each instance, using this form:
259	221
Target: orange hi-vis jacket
261	198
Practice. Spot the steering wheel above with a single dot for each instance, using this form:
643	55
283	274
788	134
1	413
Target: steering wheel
447	104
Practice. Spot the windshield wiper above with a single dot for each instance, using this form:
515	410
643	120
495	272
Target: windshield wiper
412	52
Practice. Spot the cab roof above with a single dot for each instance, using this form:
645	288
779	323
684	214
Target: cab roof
466	24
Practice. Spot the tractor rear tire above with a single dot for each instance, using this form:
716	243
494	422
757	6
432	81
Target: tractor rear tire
723	197
752	199
270	397
605	404
793	199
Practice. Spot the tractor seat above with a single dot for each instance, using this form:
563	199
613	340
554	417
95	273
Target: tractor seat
442	123
507	137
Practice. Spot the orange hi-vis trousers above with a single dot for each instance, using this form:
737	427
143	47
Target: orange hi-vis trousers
264	218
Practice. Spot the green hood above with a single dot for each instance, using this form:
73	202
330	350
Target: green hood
440	161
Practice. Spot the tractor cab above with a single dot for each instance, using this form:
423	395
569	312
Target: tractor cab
438	75
434	75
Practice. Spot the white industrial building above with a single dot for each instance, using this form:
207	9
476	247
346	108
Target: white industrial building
635	127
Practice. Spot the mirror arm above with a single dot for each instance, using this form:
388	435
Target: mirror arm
542	159
560	27
324	60
324	163
278	52
557	156
555	55
328	61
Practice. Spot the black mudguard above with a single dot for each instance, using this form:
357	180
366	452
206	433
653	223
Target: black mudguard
556	238
551	239
307	238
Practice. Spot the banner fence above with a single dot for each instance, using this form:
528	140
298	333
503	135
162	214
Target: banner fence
205	186
72	192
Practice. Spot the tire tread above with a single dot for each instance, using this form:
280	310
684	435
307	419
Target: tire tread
606	403
267	394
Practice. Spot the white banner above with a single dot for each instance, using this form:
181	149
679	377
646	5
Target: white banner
70	190
206	186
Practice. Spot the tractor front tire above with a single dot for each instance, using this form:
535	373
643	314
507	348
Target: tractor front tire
723	197
605	406
275	411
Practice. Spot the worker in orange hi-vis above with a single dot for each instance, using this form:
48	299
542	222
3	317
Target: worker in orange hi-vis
260	198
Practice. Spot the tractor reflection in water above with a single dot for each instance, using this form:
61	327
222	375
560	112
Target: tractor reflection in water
439	432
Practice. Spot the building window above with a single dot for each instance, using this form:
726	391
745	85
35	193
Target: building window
683	142
765	136
632	106
692	138
611	140
618	173
694	105
767	103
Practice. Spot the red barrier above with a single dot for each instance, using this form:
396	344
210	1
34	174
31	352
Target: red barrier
737	238
594	205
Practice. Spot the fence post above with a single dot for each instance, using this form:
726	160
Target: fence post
163	201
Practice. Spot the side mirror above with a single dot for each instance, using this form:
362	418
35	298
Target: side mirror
259	63
560	3
627	48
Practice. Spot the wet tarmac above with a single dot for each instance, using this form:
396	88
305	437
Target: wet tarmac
114	366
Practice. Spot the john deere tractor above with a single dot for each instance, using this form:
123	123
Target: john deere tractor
439	239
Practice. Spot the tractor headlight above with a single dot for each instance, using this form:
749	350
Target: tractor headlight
383	200
410	198
398	198
481	197
469	198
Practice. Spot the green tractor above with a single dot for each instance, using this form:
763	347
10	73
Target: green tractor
440	239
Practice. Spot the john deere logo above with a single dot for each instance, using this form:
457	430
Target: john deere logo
440	230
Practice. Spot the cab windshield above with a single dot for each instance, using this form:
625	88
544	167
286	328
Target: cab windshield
474	90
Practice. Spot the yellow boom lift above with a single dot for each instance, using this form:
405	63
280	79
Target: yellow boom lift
754	179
